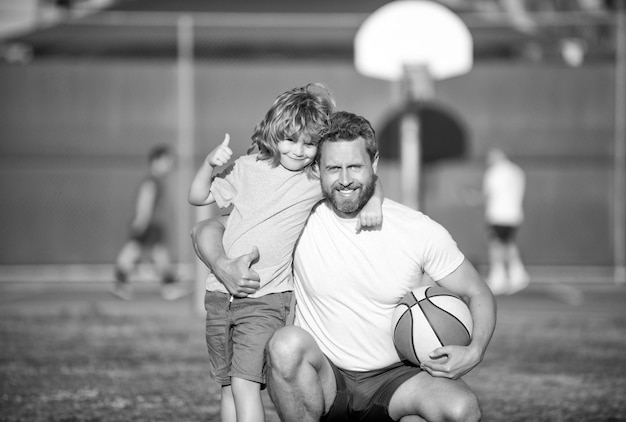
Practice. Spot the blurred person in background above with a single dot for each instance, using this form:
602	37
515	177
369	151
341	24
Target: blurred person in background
504	184
147	233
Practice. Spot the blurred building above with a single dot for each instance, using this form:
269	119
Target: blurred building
85	94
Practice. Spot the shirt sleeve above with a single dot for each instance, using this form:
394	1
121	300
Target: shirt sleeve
442	255
226	184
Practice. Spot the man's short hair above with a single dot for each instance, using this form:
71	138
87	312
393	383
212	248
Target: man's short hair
345	126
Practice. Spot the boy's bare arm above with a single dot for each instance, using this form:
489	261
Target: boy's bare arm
371	214
200	189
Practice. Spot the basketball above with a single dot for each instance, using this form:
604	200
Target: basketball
427	318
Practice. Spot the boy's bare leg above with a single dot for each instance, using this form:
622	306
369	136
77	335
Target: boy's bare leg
519	278
248	402
171	287
125	264
227	405
497	278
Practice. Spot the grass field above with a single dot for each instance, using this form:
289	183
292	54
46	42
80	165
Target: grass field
70	352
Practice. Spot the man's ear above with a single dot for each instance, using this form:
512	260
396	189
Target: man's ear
375	163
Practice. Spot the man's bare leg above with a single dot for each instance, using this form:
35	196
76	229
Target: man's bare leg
301	382
434	399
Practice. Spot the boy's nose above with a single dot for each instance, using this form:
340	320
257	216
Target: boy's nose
298	148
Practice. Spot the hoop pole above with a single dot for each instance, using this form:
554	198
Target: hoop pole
619	153
186	127
410	160
418	86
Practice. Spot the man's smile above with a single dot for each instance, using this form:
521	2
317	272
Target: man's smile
346	191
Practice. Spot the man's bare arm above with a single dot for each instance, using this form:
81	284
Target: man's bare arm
466	282
235	274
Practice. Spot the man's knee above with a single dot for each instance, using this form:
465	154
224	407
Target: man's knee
285	351
453	406
465	408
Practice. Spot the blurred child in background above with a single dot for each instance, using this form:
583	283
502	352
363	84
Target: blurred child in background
504	184
147	234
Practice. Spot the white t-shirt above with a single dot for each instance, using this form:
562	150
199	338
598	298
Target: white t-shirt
503	187
347	284
270	208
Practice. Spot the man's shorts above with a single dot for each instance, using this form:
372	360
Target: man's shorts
504	234
238	330
365	396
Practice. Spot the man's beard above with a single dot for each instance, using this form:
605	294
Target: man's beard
350	205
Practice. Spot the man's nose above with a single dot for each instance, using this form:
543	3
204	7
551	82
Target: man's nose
344	177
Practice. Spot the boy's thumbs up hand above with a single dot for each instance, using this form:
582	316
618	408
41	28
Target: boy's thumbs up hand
221	154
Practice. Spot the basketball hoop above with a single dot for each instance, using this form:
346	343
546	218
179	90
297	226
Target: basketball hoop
416	41
413	33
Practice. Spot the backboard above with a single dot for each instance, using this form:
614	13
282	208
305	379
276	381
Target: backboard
413	33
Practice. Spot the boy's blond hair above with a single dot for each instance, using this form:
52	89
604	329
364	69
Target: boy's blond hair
303	111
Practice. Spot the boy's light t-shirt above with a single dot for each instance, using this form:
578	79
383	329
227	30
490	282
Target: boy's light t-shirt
270	208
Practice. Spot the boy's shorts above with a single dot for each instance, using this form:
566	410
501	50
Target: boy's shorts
365	396
238	330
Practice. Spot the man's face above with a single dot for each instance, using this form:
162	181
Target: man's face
347	175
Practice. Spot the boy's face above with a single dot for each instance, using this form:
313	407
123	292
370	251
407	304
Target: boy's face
348	176
296	153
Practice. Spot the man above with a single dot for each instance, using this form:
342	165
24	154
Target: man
503	189
338	361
